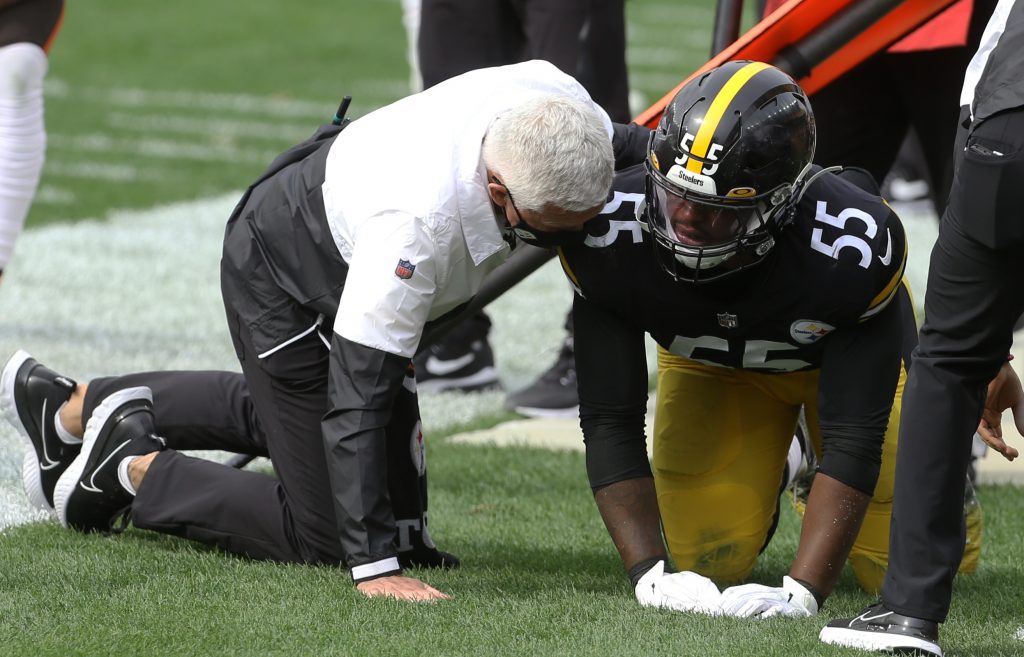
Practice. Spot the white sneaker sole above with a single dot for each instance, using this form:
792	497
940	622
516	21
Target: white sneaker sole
485	377
69	480
548	413
841	636
30	463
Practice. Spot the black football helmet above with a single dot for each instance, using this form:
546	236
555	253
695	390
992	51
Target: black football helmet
724	169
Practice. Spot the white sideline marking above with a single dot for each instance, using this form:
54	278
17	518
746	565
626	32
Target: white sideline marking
50	195
275	131
161	148
367	95
105	171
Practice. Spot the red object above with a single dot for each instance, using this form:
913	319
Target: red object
795	19
947	30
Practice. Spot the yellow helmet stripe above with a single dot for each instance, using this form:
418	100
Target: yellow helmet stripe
702	141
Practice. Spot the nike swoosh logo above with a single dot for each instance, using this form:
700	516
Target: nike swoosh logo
48	464
887	258
866	618
442	367
92	480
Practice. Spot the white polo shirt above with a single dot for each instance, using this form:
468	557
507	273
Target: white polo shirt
419	233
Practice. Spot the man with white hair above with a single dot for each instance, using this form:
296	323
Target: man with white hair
333	263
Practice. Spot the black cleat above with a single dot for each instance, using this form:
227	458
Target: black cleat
554	393
880	630
94	490
31	396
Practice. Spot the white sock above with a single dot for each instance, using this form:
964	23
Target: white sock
65	436
22	137
122	474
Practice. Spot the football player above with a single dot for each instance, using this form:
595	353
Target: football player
770	285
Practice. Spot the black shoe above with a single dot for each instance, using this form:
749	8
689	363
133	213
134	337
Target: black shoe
881	630
32	395
424	557
94	490
462	360
554	393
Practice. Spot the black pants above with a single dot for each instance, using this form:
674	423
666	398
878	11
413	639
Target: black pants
584	38
974	295
285	518
30	21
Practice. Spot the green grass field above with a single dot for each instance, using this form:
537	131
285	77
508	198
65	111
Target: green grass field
158	114
540	578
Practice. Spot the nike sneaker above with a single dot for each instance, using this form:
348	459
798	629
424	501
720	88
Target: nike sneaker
882	630
554	393
31	396
461	360
95	489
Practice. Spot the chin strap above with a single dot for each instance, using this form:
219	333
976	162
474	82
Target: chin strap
787	210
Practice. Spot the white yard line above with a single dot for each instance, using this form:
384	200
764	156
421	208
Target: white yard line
367	95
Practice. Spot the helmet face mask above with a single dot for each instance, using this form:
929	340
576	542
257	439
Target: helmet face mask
723	170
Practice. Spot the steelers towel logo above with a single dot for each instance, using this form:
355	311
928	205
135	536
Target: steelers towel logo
807	331
405	269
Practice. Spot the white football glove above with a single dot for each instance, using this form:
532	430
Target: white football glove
754	600
685	591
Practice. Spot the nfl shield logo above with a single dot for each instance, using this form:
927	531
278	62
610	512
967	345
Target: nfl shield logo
728	320
405	269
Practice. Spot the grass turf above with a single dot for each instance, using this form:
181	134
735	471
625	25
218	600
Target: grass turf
148	104
539	577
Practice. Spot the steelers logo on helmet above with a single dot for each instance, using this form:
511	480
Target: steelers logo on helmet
731	149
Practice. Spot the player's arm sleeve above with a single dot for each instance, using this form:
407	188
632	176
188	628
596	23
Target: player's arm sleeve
629	143
859	372
611	367
362	386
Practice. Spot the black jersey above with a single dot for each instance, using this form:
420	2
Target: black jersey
806	306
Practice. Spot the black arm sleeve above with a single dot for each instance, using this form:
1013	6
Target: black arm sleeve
611	367
363	384
629	142
859	371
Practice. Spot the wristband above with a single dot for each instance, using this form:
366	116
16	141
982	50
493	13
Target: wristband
640	569
374	570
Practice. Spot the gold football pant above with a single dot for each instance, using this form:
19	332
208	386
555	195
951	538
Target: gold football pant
721	437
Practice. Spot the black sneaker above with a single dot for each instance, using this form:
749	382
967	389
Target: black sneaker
94	491
462	360
554	393
881	630
32	395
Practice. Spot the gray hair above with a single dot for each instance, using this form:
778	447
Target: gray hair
551	150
